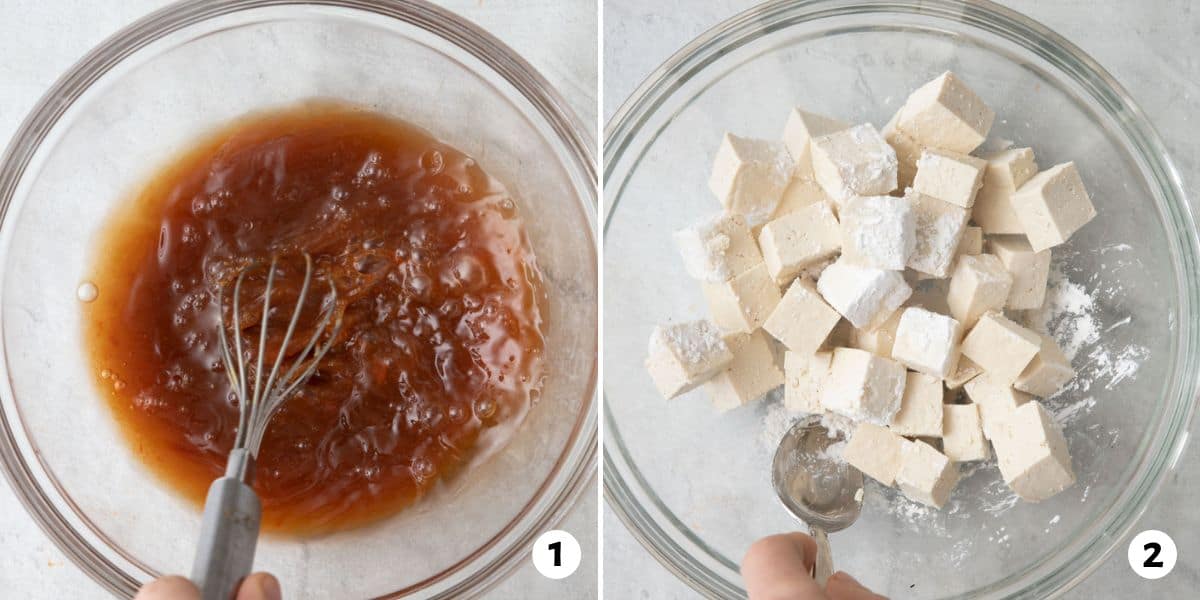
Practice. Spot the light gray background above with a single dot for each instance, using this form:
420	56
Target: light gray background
1148	46
39	40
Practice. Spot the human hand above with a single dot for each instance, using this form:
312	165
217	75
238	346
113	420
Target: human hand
779	567
258	586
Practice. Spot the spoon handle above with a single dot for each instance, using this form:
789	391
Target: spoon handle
823	567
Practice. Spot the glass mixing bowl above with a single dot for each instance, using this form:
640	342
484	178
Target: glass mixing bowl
693	486
149	91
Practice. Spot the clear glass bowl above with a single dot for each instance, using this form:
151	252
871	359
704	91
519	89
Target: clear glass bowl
693	486
146	93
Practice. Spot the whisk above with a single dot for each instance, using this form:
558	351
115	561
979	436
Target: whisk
232	513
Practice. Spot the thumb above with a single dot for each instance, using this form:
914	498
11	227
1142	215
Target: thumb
841	586
260	586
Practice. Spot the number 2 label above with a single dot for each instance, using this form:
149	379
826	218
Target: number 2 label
1152	554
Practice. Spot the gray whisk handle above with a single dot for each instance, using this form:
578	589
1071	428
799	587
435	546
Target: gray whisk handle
228	534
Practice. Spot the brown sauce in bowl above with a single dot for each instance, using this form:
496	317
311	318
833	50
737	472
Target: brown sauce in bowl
440	353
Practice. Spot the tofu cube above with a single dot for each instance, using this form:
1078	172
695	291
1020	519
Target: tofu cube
800	193
750	375
877	340
908	152
939	230
749	176
863	387
965	372
947	115
971	243
1049	370
927	342
920	411
866	297
878	231
684	355
801	320
1006	171
803	377
798	240
1052	205
741	304
1030	270
949	176
996	400
926	475
854	162
1001	347
962	433
979	284
1032	454
718	248
802	126
875	451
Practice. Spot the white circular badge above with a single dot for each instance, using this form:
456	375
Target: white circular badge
1152	554
556	554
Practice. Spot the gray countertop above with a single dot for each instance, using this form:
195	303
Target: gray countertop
1147	46
40	40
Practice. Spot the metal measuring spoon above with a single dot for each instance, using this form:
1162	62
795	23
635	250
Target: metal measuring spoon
816	488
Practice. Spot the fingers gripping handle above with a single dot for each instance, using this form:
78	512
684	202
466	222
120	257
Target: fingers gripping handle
228	534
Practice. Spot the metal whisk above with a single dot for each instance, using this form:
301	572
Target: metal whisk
232	512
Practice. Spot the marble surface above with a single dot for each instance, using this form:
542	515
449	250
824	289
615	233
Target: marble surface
1143	44
40	40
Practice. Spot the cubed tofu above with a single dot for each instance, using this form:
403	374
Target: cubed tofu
798	240
927	342
684	355
926	475
750	375
965	372
875	451
979	284
1002	347
1052	205
1006	171
947	115
803	378
741	304
878	231
1030	270
800	193
877	340
854	162
949	176
866	297
862	386
920	411
749	176
718	248
1032	453
939	230
801	320
996	400
908	152
1048	372
802	126
971	243
962	433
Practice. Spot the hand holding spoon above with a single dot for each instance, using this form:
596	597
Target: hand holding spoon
816	488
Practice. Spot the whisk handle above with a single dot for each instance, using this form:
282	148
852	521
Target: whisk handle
228	534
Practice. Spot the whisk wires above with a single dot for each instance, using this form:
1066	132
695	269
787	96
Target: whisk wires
257	404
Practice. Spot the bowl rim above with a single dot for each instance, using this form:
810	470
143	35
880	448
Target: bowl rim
625	489
573	471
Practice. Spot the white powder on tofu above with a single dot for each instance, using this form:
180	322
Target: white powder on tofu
694	343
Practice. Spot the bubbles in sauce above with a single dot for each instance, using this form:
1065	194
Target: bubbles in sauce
87	292
440	354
